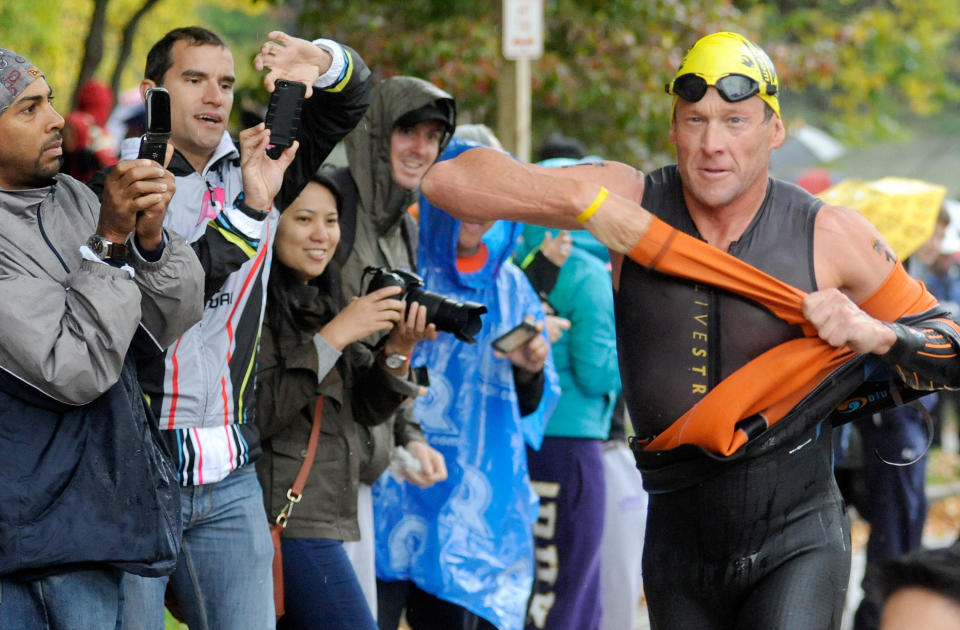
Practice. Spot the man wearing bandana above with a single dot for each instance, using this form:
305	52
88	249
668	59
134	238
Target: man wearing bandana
87	289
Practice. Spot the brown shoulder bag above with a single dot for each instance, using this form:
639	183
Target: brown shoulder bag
294	494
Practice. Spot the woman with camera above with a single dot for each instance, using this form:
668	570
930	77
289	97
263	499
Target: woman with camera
309	348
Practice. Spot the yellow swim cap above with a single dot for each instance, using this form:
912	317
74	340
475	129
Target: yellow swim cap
718	55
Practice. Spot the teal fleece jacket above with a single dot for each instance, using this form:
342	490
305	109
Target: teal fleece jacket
586	355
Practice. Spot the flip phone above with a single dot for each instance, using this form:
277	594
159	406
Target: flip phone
153	144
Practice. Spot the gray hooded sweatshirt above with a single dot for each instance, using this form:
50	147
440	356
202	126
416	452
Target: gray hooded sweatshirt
384	235
381	203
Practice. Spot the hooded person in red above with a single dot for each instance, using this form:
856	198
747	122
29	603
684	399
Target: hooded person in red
87	145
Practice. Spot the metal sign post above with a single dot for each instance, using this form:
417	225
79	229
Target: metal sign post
522	41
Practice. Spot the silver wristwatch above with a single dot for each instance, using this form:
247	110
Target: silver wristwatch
395	361
103	248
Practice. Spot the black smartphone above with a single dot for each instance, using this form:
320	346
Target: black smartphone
421	376
153	144
515	337
283	115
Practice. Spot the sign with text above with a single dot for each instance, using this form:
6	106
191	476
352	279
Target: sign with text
522	29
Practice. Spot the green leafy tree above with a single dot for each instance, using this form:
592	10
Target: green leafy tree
865	65
600	79
73	41
857	68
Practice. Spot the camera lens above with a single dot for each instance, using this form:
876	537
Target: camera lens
460	318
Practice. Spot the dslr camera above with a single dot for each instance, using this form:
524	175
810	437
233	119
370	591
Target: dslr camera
460	318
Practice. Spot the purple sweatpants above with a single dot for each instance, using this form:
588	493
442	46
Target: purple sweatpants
567	473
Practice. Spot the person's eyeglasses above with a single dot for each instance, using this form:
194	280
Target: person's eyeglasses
732	87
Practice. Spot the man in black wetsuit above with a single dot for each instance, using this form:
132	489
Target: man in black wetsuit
748	313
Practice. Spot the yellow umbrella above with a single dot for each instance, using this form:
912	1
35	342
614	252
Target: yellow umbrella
903	210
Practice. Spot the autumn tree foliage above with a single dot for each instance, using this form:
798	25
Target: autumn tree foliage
73	40
600	79
856	68
866	66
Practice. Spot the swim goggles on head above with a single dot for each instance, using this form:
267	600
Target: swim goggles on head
732	87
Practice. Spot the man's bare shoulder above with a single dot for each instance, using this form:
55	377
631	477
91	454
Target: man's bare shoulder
850	253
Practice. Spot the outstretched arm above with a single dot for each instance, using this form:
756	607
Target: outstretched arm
484	184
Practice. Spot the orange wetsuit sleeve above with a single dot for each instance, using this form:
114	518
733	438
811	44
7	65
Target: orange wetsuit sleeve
668	250
773	383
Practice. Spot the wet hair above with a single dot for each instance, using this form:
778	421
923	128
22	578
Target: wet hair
159	59
283	290
560	146
936	570
324	177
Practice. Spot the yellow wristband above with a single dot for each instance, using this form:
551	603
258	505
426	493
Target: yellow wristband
593	207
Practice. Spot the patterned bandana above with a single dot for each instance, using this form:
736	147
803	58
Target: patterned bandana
16	73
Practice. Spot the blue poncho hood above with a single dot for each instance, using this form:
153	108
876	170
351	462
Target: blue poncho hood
439	251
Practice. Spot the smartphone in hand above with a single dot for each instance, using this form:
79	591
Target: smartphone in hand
283	115
515	337
153	144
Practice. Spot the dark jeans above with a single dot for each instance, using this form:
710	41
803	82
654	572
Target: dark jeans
321	590
223	578
424	611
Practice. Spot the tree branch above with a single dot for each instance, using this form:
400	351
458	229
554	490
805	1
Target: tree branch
126	44
92	47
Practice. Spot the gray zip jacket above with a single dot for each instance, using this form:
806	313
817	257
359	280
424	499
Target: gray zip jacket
83	479
68	322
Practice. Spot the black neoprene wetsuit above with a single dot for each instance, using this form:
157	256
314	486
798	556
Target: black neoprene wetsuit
761	540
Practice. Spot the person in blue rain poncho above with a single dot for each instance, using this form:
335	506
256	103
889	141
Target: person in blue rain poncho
466	544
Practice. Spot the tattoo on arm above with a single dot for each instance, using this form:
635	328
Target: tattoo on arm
878	247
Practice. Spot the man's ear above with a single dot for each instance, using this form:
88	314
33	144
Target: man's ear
145	85
779	133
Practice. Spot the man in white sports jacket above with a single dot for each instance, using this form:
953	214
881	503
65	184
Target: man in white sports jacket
203	389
